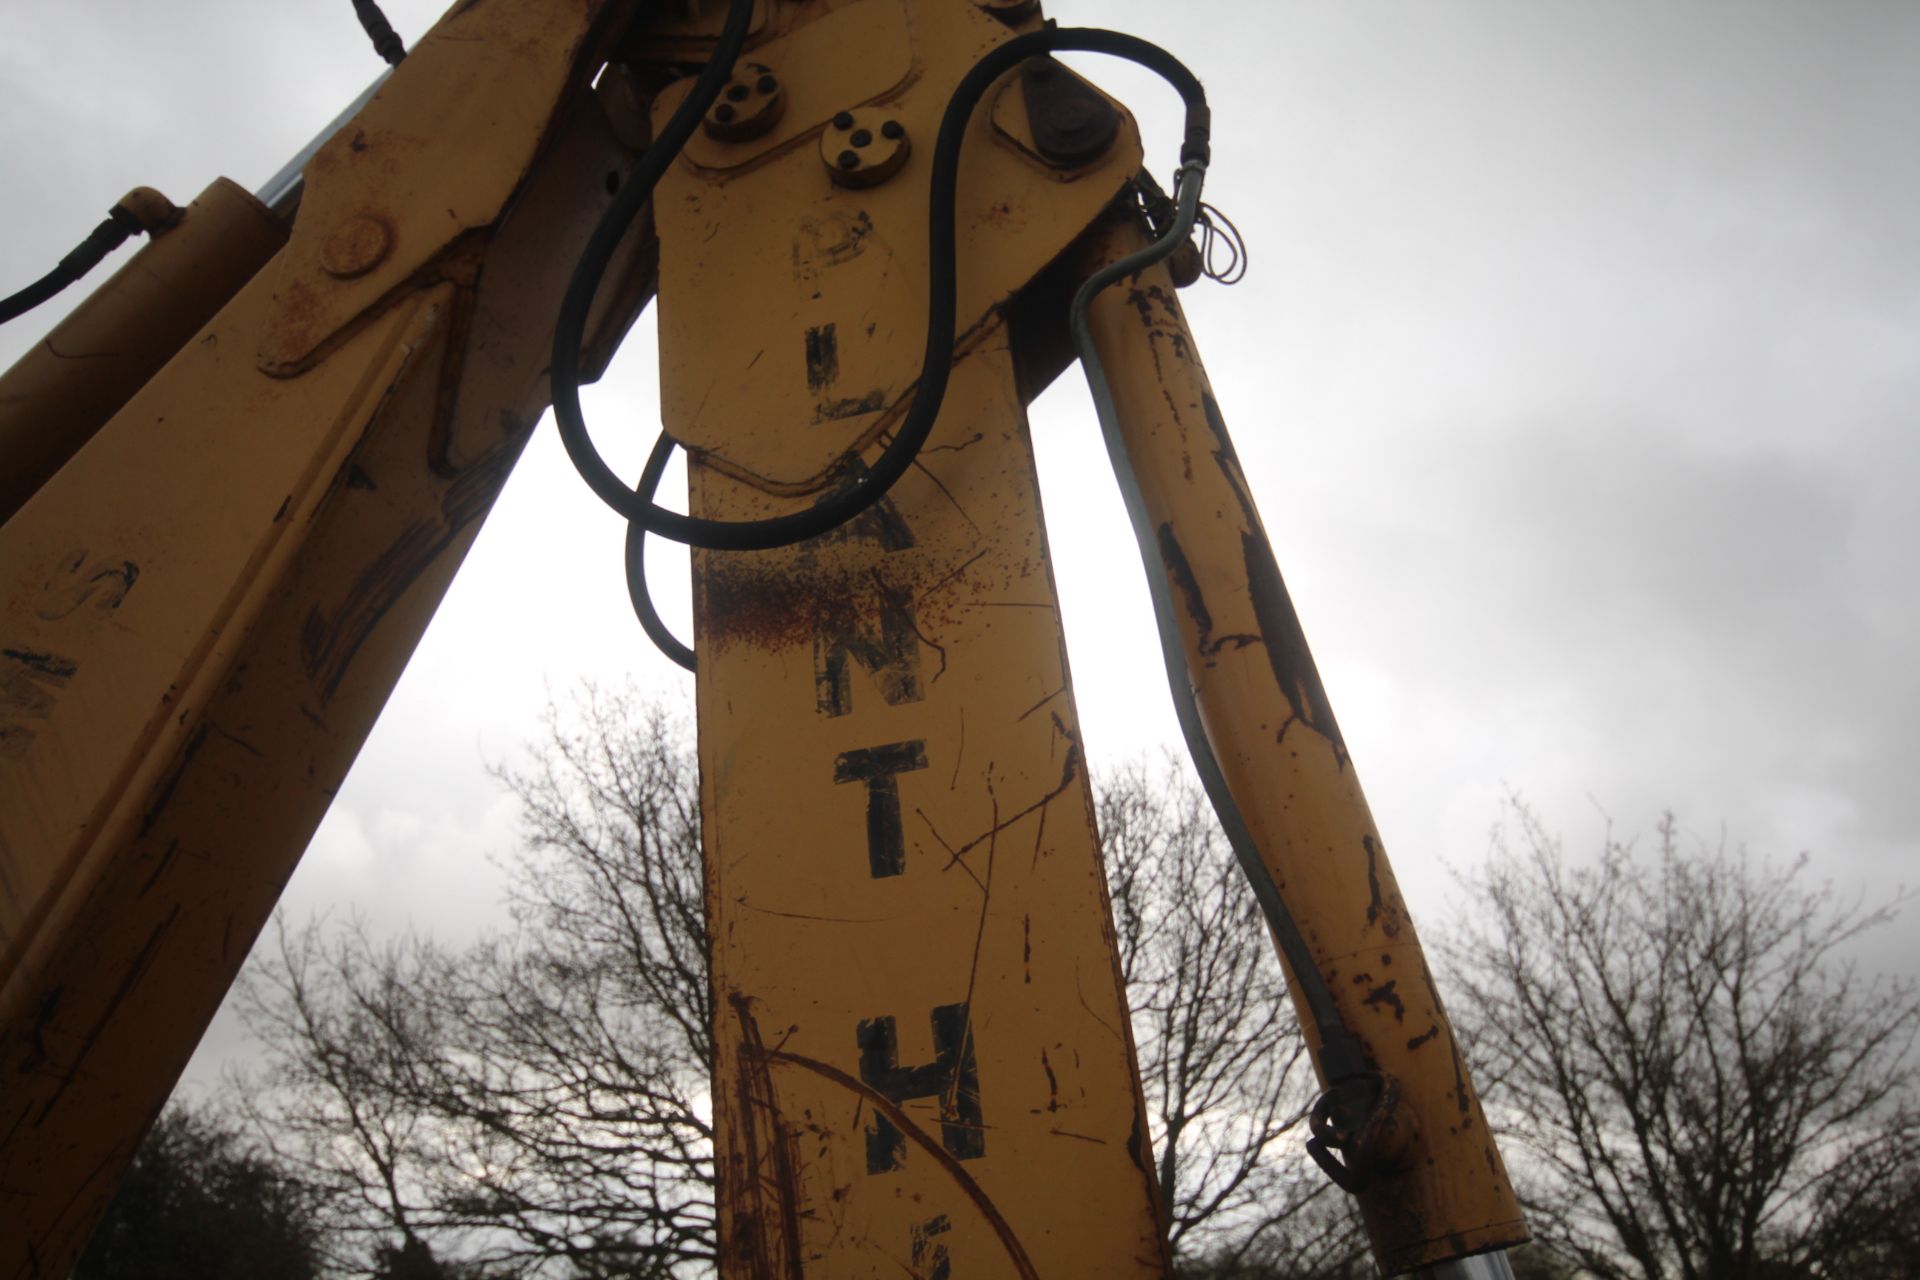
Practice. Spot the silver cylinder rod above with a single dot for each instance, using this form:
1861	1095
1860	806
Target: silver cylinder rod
282	191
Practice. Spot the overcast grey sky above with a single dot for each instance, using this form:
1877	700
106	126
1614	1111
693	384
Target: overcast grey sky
1576	376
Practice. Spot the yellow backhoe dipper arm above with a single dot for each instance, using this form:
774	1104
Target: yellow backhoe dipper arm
875	236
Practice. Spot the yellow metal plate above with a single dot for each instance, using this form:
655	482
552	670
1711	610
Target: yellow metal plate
783	281
438	152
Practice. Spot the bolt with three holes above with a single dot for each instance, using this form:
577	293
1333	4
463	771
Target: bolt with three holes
752	103
864	148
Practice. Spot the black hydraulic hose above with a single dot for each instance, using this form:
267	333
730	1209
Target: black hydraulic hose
650	619
386	41
936	364
103	240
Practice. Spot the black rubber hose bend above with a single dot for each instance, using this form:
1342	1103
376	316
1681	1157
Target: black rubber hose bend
650	620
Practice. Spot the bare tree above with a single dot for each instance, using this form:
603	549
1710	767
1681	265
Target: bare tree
536	1103
344	1037
1222	1059
1699	1080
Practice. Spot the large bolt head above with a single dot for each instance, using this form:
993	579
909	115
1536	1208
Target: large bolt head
864	148
355	247
751	103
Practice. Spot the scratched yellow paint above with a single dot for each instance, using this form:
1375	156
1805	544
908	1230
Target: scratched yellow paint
1283	756
924	1064
994	903
206	608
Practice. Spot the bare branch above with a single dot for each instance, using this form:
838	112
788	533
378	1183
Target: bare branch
1693	1077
